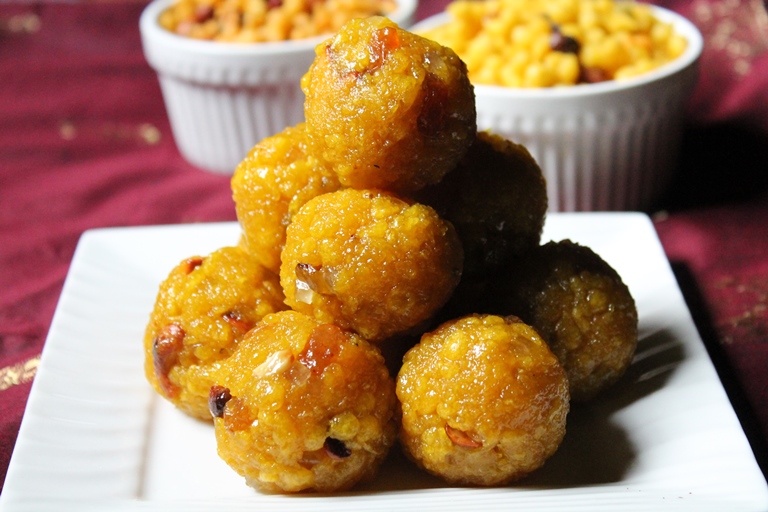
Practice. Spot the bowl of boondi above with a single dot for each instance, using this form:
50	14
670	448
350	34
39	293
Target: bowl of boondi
230	71
596	90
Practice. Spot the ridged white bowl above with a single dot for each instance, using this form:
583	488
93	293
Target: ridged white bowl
222	98
607	146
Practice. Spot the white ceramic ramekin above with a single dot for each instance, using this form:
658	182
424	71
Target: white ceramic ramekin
222	98
606	146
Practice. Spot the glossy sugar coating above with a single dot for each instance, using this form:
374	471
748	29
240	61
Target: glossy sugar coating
268	187
203	308
387	108
580	305
484	401
369	262
303	406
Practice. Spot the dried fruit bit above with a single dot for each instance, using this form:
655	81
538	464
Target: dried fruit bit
192	263
592	75
383	42
237	415
322	347
236	322
203	13
165	354
336	449
217	399
562	43
461	438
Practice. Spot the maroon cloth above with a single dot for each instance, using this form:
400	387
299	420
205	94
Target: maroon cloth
85	142
79	113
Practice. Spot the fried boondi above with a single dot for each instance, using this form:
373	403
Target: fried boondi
369	262
256	21
555	43
386	108
268	187
202	310
584	311
303	406
484	401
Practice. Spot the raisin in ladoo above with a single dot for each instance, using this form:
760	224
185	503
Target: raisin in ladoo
386	108
484	401
268	187
369	262
303	406
580	305
203	308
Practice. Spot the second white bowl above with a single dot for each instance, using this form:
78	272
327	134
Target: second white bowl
605	146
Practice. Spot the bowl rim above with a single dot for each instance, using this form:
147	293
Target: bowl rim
680	24
150	28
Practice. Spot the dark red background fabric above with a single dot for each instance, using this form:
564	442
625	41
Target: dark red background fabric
85	143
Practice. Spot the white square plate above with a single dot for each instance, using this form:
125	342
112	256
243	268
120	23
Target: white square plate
95	437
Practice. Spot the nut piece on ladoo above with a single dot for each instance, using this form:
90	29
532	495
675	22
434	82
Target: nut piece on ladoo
303	406
484	401
582	308
202	310
386	108
369	262
268	187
